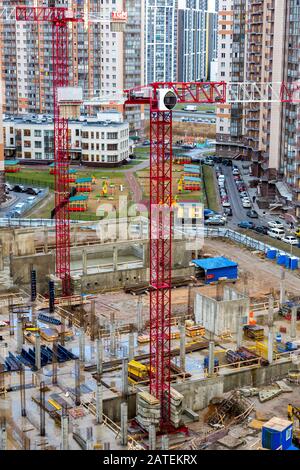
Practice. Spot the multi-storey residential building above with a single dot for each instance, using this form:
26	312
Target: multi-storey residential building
225	37
161	40
99	141
192	40
212	39
102	61
291	111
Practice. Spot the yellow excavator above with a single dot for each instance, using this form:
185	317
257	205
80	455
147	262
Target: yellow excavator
293	415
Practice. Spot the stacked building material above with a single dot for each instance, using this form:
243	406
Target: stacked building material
147	410
76	284
57	285
176	407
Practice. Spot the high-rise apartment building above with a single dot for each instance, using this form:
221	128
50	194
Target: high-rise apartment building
225	37
193	57
102	60
161	40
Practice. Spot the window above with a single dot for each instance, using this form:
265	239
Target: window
27	133
112	135
38	156
37	144
27	155
37	133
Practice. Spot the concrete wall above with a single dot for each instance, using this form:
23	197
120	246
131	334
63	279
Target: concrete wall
21	268
219	316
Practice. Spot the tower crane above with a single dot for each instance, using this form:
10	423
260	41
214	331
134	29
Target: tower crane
67	102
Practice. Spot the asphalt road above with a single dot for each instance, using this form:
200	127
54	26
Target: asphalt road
238	211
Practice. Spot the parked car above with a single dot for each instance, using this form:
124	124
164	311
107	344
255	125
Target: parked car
277	233
290	239
8	187
243	194
297	232
228	211
33	191
275	224
215	221
246	204
261	229
209	162
246	224
252	214
146	142
236	172
18	188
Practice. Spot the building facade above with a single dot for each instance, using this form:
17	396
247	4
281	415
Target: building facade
101	141
193	57
160	43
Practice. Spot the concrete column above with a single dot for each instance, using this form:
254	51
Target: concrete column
112	328
99	403
139	314
19	335
282	286
293	332
115	258
65	432
81	345
106	445
182	346
125	378
46	240
271	311
124	424
99	356
84	262
270	344
3	436
165	442
239	330
89	438
211	358
37	351
1	258
152	437
131	346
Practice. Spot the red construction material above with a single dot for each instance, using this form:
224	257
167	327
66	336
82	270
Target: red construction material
59	17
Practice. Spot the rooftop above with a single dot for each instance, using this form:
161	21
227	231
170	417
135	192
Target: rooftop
214	263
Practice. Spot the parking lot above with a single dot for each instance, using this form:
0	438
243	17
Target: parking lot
239	205
22	199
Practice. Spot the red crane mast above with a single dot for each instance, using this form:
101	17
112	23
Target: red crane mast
161	97
59	17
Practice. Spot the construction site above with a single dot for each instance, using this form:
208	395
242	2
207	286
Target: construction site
75	370
133	332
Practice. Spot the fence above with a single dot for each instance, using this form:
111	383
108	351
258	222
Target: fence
16	179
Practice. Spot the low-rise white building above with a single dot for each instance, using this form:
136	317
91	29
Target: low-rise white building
100	141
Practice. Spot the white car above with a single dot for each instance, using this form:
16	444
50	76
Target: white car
275	224
290	239
246	204
226	204
235	172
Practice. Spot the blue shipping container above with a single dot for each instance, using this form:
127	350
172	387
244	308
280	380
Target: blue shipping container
273	440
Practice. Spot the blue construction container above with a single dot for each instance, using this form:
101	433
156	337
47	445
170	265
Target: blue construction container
214	269
281	259
271	253
277	434
294	263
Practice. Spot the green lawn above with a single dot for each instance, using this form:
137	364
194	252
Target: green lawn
210	188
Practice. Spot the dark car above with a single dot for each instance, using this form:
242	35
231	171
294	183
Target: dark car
32	191
228	211
246	224
261	229
252	214
18	188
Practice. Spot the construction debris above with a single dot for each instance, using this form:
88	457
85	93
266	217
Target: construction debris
234	408
268	393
